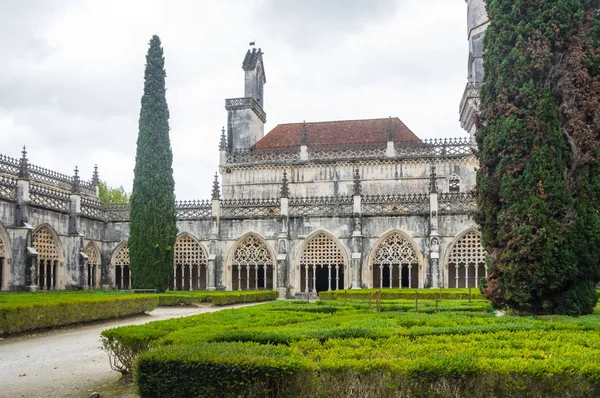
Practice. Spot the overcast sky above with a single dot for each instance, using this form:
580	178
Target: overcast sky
71	73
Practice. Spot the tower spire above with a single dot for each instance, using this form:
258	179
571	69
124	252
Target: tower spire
223	142
24	164
216	192
95	176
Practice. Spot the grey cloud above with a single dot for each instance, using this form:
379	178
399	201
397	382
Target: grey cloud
314	23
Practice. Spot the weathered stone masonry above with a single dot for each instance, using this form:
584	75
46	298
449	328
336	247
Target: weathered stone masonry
305	208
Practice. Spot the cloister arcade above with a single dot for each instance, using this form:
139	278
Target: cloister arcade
121	262
48	258
395	263
190	265
322	265
252	265
466	261
93	266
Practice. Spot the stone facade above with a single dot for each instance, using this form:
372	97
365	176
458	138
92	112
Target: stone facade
477	23
305	208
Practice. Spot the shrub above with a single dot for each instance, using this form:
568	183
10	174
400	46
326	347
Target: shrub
32	313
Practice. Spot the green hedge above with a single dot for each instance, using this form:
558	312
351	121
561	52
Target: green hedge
286	349
36	312
295	349
406	294
175	298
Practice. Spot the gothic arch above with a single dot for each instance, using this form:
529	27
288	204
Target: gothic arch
5	259
119	266
190	264
464	260
251	264
94	266
322	263
46	243
399	261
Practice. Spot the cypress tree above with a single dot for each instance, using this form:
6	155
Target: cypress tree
153	229
539	181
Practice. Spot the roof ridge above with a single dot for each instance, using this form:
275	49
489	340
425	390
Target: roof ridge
342	120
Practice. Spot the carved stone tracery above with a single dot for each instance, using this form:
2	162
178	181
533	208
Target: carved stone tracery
322	252
47	258
466	261
190	261
252	264
395	263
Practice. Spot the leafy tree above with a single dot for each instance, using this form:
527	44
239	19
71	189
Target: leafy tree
539	181
112	196
153	229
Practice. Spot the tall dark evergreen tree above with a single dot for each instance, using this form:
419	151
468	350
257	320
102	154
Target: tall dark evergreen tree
539	181
153	229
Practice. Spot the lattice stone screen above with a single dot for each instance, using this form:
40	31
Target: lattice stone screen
189	269
48	257
93	265
123	277
395	264
466	263
321	265
252	265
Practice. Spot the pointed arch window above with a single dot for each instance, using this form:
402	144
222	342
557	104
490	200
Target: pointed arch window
252	265
47	258
321	265
395	264
123	276
190	265
466	263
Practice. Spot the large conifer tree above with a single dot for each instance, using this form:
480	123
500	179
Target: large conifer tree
539	181
153	229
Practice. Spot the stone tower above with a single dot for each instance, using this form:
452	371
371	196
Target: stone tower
245	116
477	23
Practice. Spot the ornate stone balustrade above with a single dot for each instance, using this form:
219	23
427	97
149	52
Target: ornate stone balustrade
247	102
7	187
457	202
50	198
9	165
46	176
92	208
432	148
193	209
235	208
322	206
376	205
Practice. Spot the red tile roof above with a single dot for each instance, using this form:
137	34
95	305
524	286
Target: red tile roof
342	132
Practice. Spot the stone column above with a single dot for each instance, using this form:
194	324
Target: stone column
433	274
84	276
211	268
355	265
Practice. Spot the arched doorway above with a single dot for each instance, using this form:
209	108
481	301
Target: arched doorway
190	262
47	258
466	261
322	265
93	274
252	265
123	277
395	263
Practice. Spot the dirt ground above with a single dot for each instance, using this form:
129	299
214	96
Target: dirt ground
69	362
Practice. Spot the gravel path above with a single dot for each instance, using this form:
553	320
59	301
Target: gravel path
61	363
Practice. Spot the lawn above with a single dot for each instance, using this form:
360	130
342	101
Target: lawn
328	349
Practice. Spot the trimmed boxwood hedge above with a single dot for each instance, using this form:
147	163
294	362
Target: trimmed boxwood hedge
287	349
170	299
405	294
35	312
